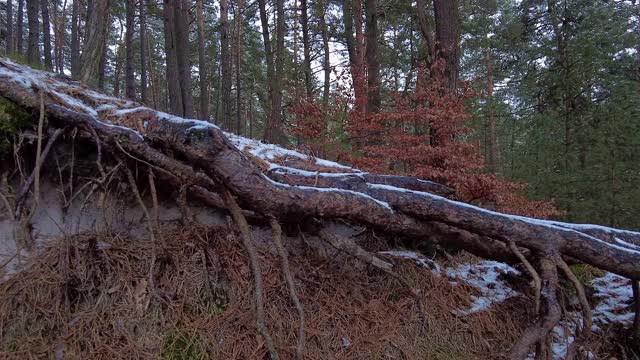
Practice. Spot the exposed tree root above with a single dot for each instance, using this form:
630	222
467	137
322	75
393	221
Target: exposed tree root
537	283
539	331
286	271
247	241
635	284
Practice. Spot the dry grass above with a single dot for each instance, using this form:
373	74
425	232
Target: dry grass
87	297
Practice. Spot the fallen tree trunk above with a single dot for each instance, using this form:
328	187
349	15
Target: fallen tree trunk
206	161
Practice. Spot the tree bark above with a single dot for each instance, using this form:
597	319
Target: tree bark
9	48
352	9
448	39
102	68
143	53
182	20
426	30
75	39
96	34
372	57
238	53
275	128
268	54
306	48
491	118
20	28
326	62
202	64
33	50
46	31
226	71
130	81
173	81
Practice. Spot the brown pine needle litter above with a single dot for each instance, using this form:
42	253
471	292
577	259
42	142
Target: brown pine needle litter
88	297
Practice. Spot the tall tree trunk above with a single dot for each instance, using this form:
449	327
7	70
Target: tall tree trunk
372	57
352	10
102	67
143	52
20	28
118	70
96	34
326	63
9	48
238	20
33	50
276	108
75	39
426	29
130	81
60	31
225	60
202	64
306	47
46	31
448	39
182	22
268	53
173	81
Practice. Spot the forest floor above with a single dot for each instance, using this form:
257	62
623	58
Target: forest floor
89	296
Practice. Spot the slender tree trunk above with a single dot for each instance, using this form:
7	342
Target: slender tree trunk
326	63
9	48
268	53
182	52
448	39
75	39
130	80
97	28
372	57
173	81
225	59
20	28
61	25
143	52
276	108
306	47
118	70
491	118
33	50
46	31
355	45
238	19
202	64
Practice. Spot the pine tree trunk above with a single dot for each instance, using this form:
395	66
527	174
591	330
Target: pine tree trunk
96	34
46	31
225	59
60	32
448	39
268	53
9	48
20	28
306	47
143	52
352	10
33	50
130	90
102	67
118	70
372	57
202	64
426	29
238	51
276	108
182	22
75	39
326	63
173	81
491	118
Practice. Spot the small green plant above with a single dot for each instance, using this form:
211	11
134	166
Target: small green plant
12	118
178	346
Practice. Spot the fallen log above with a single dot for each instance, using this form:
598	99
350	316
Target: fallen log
208	162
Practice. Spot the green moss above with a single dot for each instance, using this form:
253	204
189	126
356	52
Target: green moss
179	346
12	118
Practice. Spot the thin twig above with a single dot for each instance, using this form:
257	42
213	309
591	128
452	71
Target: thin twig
247	241
154	198
276	231
584	303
